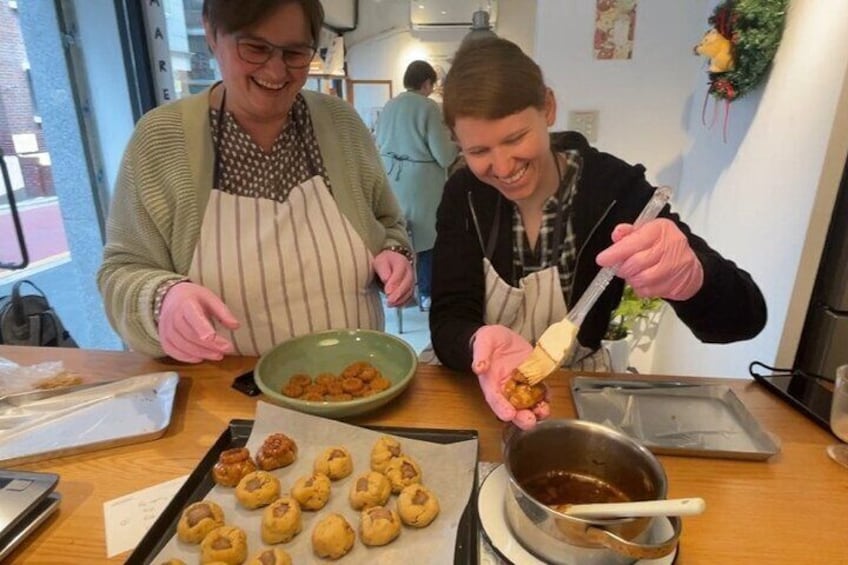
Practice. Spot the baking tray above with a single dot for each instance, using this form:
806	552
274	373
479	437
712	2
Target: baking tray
675	418
200	482
113	413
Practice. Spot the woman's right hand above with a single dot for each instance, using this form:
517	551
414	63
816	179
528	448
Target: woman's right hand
186	331
497	351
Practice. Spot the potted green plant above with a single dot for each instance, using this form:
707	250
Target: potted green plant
630	315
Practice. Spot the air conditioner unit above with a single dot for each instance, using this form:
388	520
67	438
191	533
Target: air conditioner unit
447	14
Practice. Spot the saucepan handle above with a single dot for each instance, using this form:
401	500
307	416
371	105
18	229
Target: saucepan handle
636	550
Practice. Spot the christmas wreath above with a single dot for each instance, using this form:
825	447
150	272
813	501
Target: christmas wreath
751	29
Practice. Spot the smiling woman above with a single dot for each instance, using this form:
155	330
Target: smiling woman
253	211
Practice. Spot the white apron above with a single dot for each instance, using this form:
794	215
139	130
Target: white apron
285	268
531	307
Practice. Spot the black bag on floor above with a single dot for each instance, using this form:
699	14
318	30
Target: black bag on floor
30	320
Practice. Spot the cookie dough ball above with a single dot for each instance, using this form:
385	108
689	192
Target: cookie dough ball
271	556
232	465
370	489
313	492
278	450
227	544
198	519
259	488
332	537
378	525
386	449
335	462
417	506
281	520
403	471
522	395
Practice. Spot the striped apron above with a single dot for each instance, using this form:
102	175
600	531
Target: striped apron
285	268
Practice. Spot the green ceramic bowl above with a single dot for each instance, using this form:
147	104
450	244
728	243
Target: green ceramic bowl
331	351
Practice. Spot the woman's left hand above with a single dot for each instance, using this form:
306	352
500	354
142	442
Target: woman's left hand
655	260
395	271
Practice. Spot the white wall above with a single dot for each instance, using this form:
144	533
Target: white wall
383	44
752	196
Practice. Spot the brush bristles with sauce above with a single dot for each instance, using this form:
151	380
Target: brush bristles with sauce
554	345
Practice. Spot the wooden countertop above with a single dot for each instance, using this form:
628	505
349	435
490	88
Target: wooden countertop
792	508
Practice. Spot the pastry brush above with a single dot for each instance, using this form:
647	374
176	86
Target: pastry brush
556	342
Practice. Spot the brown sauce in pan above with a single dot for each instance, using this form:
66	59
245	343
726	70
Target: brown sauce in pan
560	487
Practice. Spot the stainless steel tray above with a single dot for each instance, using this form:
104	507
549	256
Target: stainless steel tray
675	418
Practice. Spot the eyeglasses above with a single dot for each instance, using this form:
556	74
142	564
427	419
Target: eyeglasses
258	51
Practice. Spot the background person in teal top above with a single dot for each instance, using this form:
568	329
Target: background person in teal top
416	149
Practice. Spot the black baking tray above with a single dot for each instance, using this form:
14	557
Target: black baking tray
200	482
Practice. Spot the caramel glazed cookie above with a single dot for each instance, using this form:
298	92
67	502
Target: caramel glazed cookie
278	450
232	465
332	537
198	519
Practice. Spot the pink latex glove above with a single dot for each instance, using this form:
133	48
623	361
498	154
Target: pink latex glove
497	351
395	271
655	260
186	331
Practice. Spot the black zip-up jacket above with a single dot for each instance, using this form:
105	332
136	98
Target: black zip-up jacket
728	307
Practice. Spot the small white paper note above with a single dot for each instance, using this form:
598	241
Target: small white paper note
129	517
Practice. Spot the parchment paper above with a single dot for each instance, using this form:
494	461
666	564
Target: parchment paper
447	470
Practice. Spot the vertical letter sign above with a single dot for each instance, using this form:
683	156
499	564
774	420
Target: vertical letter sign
160	54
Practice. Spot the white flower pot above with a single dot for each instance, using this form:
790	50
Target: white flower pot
618	351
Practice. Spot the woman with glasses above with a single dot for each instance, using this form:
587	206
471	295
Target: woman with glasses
255	210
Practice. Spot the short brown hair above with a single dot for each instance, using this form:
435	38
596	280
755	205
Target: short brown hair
491	78
417	73
233	15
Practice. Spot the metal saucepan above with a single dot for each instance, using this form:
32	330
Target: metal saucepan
592	452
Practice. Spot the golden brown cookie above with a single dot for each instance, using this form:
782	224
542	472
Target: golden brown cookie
370	489
403	471
173	561
312	492
278	450
335	462
259	488
385	449
417	506
281	520
332	537
378	525
198	519
227	544
232	465
271	556
522	395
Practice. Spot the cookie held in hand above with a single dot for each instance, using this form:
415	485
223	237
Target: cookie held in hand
521	395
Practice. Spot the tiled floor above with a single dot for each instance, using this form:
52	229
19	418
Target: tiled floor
415	325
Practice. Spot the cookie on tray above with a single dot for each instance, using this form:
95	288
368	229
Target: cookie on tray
312	492
281	520
232	465
403	471
278	450
335	462
256	489
332	537
227	544
417	506
198	519
378	525
271	556
385	449
370	489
